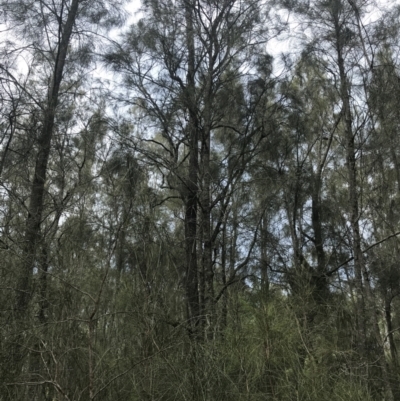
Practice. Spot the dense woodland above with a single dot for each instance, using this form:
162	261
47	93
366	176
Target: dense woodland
200	201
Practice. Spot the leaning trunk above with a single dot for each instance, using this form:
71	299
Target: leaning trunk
36	205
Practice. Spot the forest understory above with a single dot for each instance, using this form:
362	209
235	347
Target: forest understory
199	201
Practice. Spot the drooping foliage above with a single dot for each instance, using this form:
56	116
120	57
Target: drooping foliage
188	213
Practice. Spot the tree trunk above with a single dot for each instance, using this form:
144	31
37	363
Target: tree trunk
207	259
35	210
36	205
366	302
191	199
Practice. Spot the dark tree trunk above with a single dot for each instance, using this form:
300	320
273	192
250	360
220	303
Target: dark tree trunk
36	206
191	199
366	306
35	211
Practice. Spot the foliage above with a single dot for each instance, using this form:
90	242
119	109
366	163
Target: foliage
217	222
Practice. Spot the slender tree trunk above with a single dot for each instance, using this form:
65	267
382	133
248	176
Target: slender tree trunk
320	283
36	205
224	306
352	179
35	211
389	327
264	259
396	165
192	290
317	226
364	290
207	258
35	358
12	122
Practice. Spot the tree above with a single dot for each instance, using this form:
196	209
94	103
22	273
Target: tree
55	37
199	228
347	59
185	65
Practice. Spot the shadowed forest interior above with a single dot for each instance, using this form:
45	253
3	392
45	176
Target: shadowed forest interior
199	201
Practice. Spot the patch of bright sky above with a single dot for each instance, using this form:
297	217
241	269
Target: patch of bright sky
295	30
133	10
